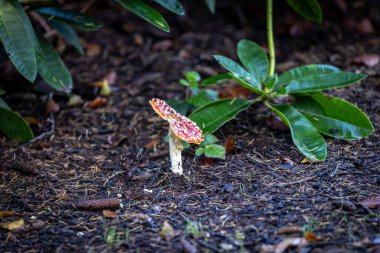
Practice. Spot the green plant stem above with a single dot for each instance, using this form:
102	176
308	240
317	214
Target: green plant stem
272	56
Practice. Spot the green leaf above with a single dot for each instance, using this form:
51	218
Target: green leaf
181	106
172	5
304	134
216	79
215	151
146	12
271	81
334	117
184	82
193	77
68	34
211	5
212	116
209	139
72	18
4	104
316	77
52	69
17	39
199	151
14	126
200	99
254	59
309	9
2	92
239	74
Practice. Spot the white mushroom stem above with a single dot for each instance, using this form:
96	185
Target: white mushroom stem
175	148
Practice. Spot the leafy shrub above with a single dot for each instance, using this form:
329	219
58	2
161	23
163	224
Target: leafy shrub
310	112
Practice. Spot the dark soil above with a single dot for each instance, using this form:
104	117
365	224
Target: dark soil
253	199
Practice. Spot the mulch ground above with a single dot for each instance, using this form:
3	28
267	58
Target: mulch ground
260	197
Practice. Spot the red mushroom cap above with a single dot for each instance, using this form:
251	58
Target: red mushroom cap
182	126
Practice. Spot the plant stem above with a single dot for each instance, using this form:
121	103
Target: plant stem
272	56
175	149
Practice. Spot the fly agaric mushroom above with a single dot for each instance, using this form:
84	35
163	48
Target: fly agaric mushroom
181	128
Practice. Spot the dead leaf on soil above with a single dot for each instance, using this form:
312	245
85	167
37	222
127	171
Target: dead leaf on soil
32	120
96	103
152	144
370	60
6	214
289	230
229	145
305	160
167	232
298	242
51	106
92	49
373	202
12	225
206	161
109	214
310	236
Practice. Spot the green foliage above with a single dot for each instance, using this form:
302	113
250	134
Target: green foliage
71	18
209	148
311	114
68	34
211	5
12	125
143	10
309	9
172	5
52	69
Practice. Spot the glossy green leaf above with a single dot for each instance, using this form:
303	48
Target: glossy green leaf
146	12
334	116
181	106
215	114
52	69
4	104
215	151
192	77
240	74
199	151
305	136
14	126
316	77
68	34
209	139
172	5
216	79
271	82
211	5
17	40
254	59
309	9
2	92
72	18
200	99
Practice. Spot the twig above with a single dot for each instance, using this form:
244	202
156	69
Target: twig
50	132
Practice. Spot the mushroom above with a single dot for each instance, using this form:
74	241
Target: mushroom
181	128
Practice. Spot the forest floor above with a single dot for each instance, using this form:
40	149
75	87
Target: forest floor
261	198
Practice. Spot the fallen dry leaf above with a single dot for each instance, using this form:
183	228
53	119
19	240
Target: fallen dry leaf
310	236
32	120
6	214
51	106
370	60
109	214
289	230
92	49
152	144
373	202
229	145
207	161
12	225
167	231
97	102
